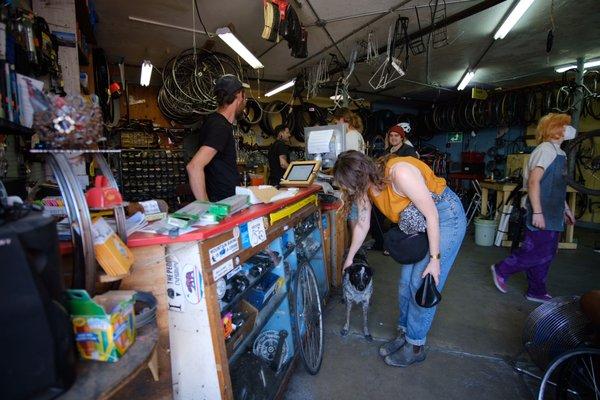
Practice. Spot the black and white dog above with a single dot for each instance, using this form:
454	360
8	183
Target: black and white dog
358	288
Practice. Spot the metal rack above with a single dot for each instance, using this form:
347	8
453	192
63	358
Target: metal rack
85	271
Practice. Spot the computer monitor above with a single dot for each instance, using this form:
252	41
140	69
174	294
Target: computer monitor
325	143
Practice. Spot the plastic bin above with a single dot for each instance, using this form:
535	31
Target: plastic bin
485	231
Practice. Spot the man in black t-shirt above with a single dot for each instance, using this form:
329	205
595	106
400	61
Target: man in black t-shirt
213	170
279	155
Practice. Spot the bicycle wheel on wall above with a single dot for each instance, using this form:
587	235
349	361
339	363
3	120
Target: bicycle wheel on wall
308	319
584	163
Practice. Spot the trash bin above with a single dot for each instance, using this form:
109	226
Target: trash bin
485	231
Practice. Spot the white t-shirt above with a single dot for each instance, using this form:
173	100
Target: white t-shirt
542	156
355	141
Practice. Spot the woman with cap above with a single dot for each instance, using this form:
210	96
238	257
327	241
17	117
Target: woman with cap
407	192
397	143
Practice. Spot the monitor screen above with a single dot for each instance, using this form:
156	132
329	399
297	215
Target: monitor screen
300	172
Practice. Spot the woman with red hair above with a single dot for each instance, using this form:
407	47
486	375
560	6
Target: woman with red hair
547	210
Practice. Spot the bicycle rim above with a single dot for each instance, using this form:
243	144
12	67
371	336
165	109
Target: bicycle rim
308	319
572	375
589	183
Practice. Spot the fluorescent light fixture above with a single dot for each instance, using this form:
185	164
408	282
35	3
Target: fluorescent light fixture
146	73
228	37
588	64
281	88
336	97
466	79
565	68
514	16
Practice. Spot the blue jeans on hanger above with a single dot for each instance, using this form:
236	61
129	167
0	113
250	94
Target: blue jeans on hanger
415	320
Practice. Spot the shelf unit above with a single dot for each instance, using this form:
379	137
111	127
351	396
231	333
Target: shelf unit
212	377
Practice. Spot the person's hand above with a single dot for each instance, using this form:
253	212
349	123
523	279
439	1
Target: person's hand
538	221
433	268
569	217
347	263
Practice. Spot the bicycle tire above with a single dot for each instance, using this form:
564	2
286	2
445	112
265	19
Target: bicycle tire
572	152
306	287
559	365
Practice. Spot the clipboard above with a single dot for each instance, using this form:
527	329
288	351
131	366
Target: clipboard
300	173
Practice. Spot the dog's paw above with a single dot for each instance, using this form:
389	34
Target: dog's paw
369	338
344	332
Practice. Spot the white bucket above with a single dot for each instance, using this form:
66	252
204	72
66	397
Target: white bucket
485	231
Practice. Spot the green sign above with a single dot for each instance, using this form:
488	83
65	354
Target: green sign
456	137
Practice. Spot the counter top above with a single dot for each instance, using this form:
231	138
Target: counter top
140	239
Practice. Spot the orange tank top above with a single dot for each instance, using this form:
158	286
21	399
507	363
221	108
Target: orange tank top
390	203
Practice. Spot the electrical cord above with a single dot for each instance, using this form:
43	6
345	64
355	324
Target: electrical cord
199	17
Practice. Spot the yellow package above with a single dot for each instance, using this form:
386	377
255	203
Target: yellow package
104	326
112	254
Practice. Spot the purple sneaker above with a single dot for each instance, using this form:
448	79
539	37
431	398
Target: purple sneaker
499	281
539	299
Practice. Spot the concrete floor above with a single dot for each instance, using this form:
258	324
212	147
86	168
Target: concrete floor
476	332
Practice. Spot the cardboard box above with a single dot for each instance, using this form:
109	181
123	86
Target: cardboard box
112	254
238	336
261	293
104	326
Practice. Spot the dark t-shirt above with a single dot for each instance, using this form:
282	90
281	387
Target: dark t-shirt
406	151
221	174
278	148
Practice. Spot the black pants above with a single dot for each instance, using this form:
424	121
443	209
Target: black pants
378	227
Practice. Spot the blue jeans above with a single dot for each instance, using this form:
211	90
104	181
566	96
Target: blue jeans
415	320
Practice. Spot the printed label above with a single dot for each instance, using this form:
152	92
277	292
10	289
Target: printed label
150	206
175	297
223	250
256	231
234	272
191	284
222	270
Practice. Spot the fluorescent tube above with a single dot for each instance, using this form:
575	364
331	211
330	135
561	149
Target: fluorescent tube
466	79
588	64
514	16
281	88
229	38
146	73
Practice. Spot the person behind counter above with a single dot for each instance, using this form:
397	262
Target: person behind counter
279	155
397	143
408	193
213	170
354	127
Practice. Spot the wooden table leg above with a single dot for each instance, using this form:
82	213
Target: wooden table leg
484	201
153	364
572	205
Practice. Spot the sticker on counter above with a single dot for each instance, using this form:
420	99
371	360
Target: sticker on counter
222	270
175	296
256	231
244	237
223	250
192	284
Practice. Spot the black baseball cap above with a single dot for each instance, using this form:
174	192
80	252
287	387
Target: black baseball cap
230	84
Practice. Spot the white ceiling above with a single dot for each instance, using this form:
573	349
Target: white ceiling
517	60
